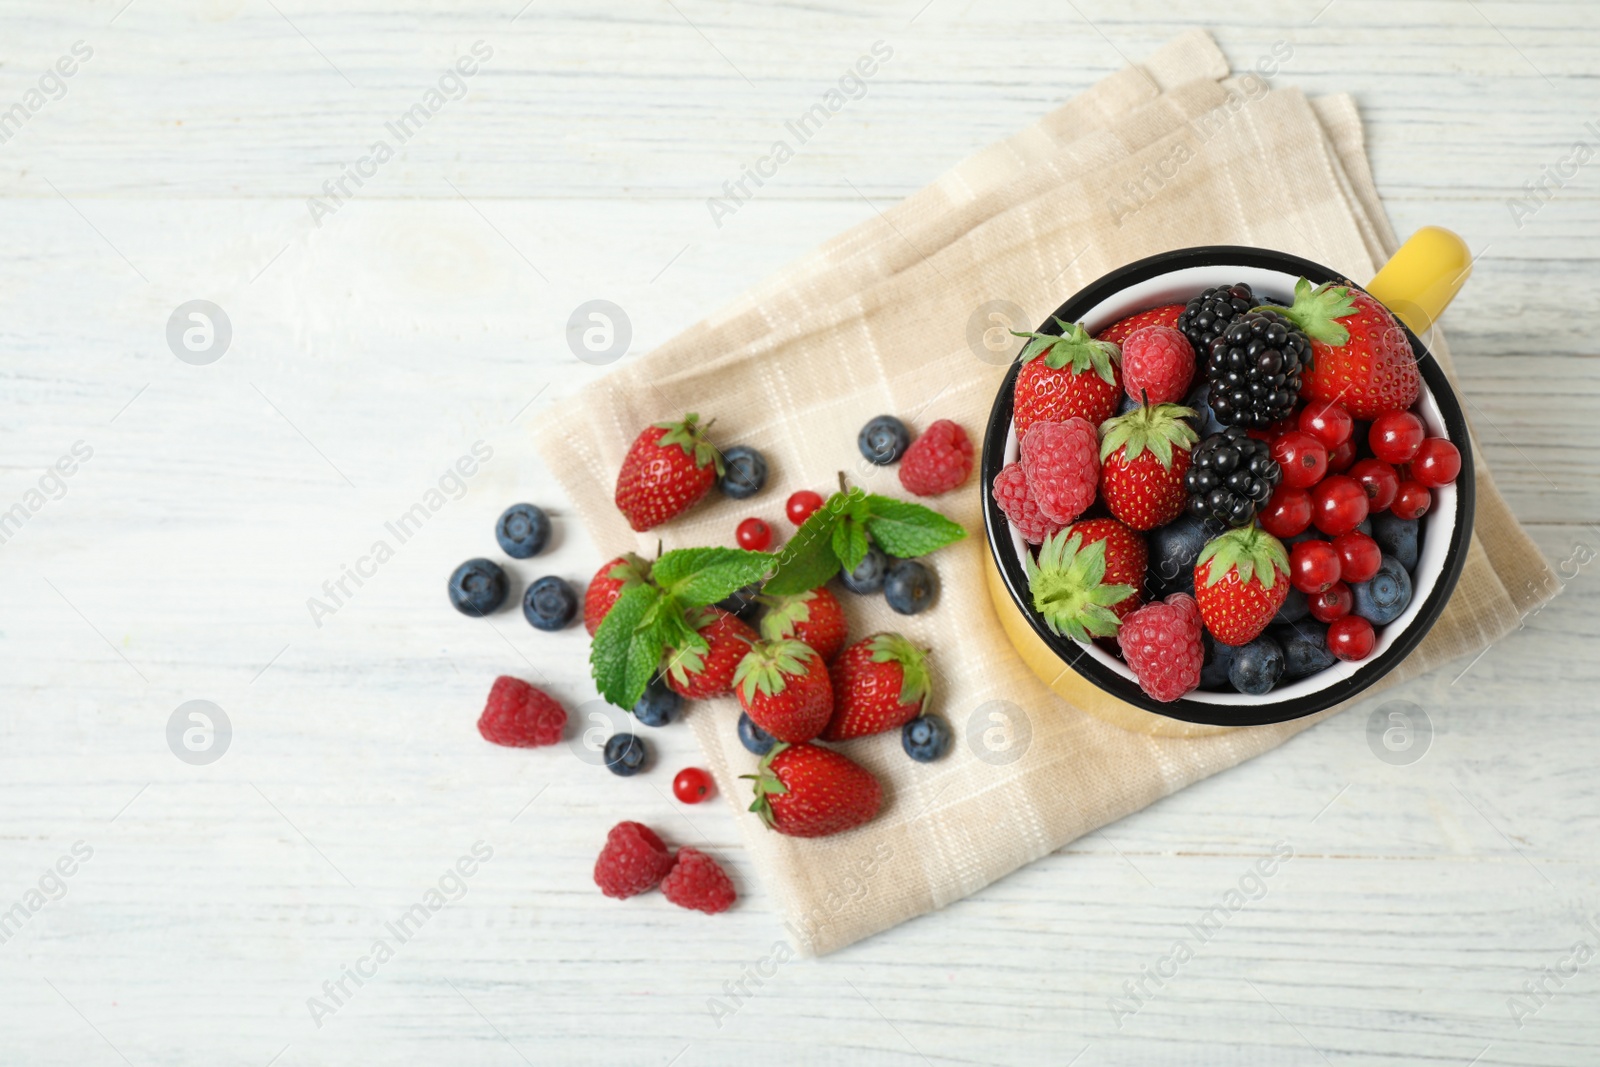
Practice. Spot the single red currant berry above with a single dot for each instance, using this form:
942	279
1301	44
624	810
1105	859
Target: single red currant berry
692	785
1436	463
1412	501
1351	638
754	535
1359	556
1379	480
1338	504
1288	513
1395	436
801	505
1339	459
1328	422
1313	566
1304	459
1332	603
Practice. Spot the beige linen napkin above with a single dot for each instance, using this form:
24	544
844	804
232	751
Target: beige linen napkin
877	321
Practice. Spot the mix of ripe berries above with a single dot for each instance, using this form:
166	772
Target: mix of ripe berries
1263	521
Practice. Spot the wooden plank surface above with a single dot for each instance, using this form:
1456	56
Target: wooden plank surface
427	314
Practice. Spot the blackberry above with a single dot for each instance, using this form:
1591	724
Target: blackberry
1254	369
1205	317
1230	477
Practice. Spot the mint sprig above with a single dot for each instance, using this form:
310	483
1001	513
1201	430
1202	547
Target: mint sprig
837	536
650	617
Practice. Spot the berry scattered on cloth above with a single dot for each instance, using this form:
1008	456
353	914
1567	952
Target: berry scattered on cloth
937	461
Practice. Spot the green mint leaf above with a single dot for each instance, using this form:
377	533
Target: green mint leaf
695	577
613	651
850	542
907	530
808	560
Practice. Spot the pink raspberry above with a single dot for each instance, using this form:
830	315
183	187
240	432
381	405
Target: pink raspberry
1011	493
633	860
1158	364
1162	645
696	881
938	461
521	716
1061	461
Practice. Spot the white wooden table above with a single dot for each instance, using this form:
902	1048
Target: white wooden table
373	346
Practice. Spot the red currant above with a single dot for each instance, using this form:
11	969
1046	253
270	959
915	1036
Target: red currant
1339	459
1313	566
1288	512
1338	504
1379	480
1332	603
1351	638
692	785
1412	501
1359	557
801	505
1304	459
1436	463
1395	435
1328	422
754	535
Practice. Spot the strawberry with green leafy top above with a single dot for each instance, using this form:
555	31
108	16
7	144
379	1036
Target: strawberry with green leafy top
879	684
1127	556
806	790
1070	588
815	617
1360	357
1240	581
1143	458
1065	376
607	585
698	673
669	467
784	687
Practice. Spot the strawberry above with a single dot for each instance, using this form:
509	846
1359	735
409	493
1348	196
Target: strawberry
608	583
669	467
816	618
879	684
700	674
783	686
1126	556
1143	458
1241	580
809	791
1360	357
1070	586
1166	315
1066	376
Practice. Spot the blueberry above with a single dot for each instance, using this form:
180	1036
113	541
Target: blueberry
744	472
1205	420
867	578
1127	404
1219	658
1382	600
1174	548
754	737
743	603
659	705
1296	606
1397	537
549	603
523	530
478	587
925	738
1305	649
1365	526
909	587
884	440
1256	666
625	754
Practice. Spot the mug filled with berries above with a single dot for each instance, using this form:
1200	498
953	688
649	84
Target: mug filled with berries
1227	486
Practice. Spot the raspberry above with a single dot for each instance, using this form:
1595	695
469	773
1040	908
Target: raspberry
1157	365
697	882
938	461
1062	463
632	861
521	716
1162	645
1011	493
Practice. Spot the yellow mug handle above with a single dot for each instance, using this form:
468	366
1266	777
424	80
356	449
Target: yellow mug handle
1421	279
